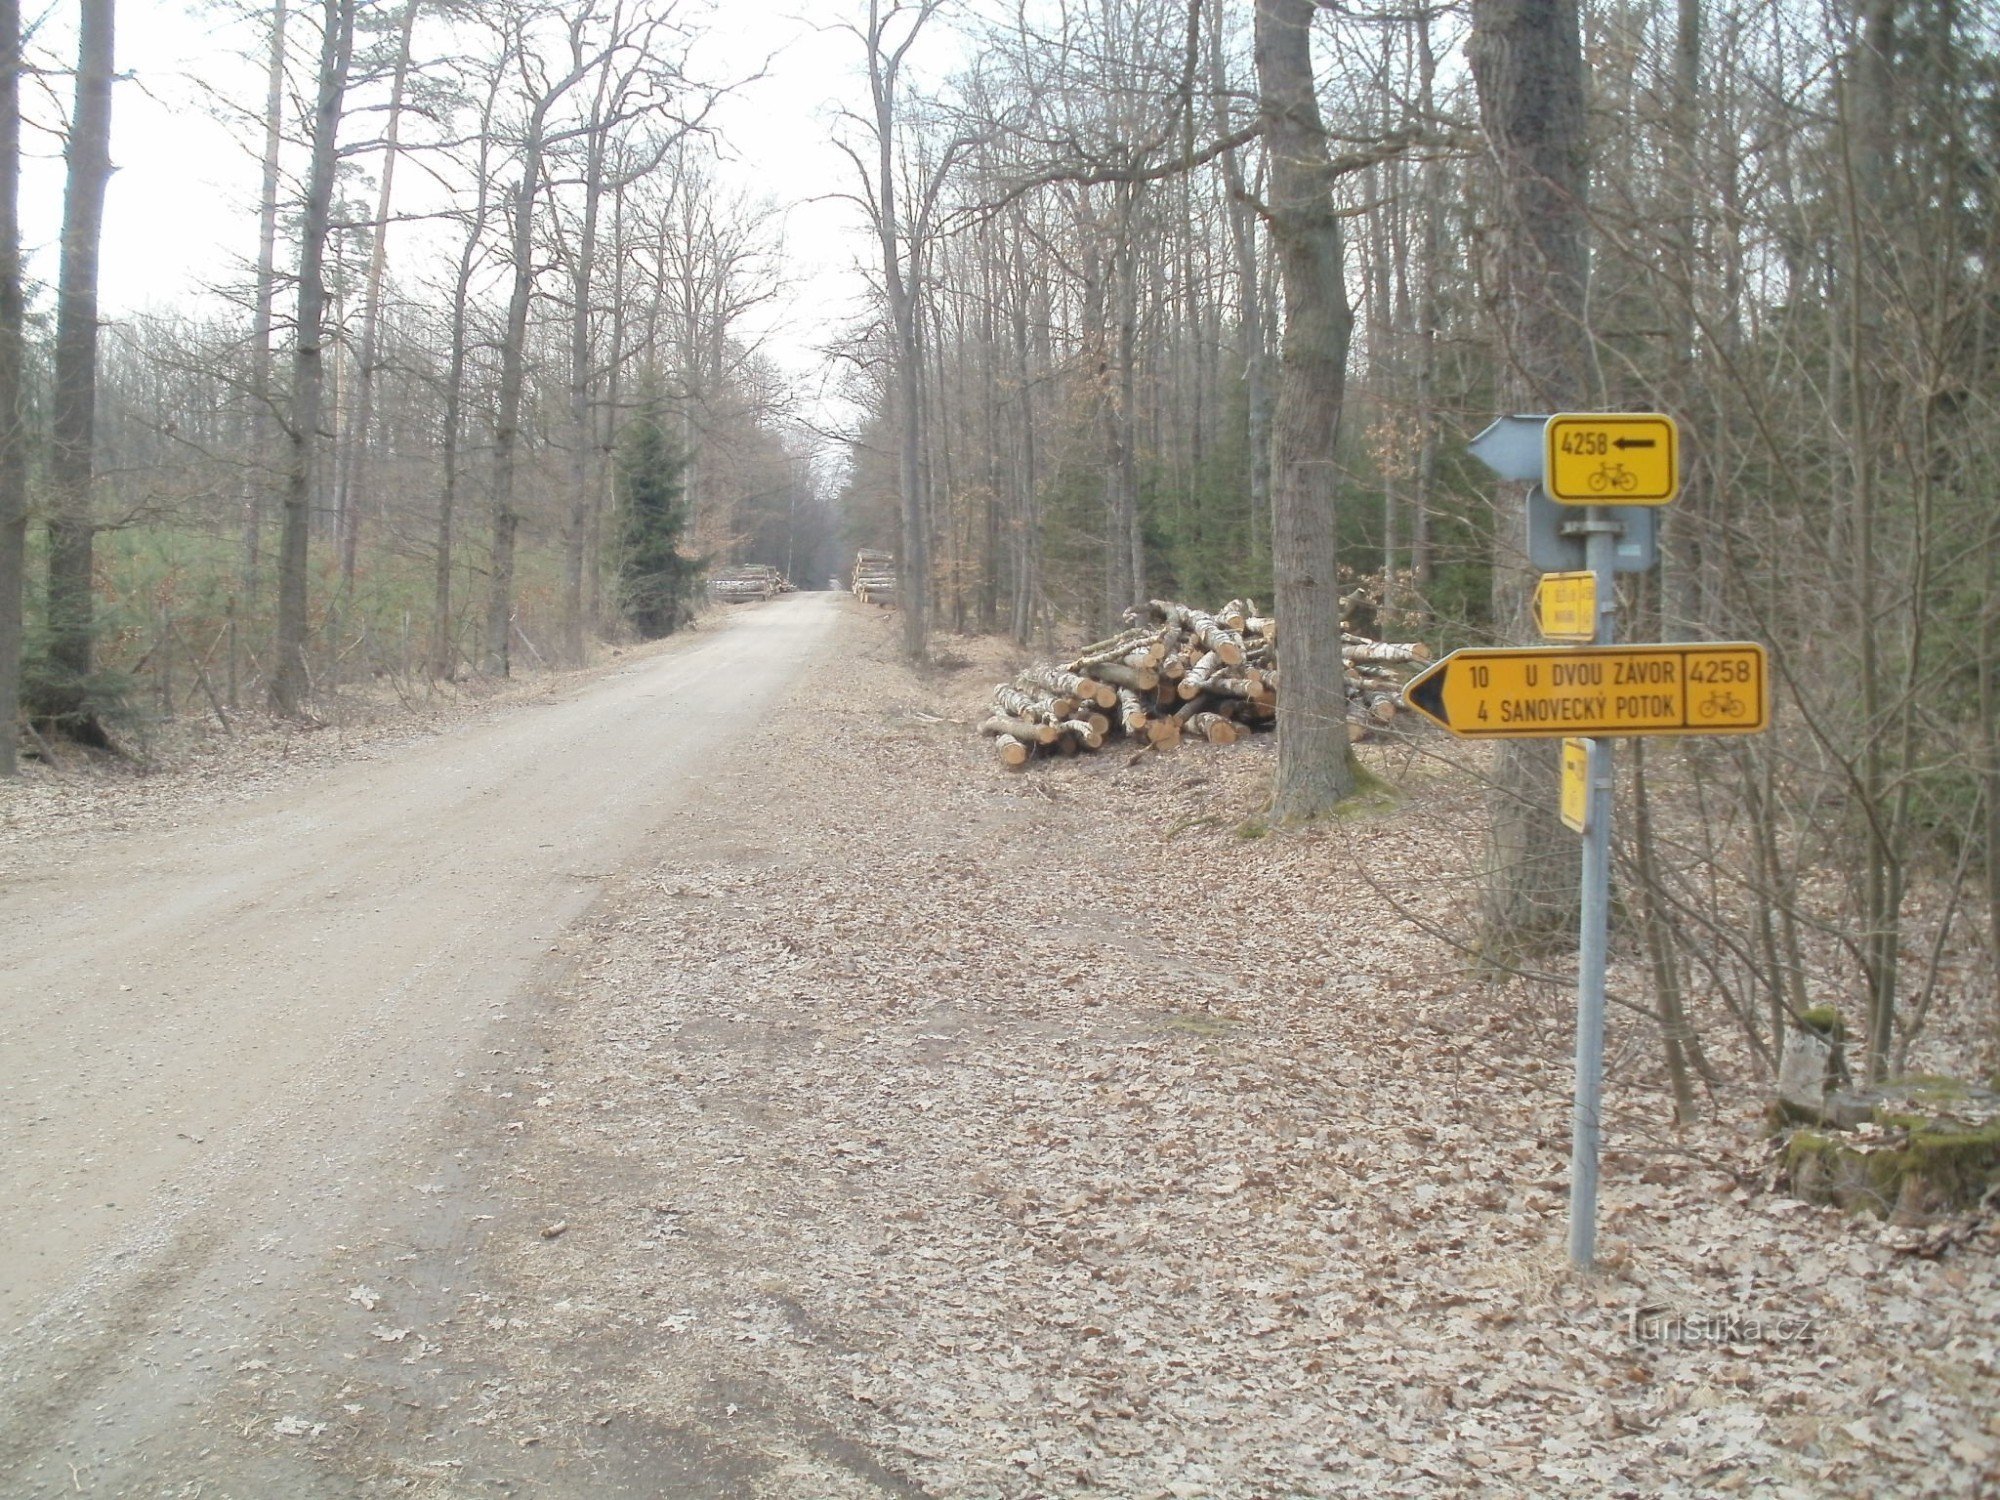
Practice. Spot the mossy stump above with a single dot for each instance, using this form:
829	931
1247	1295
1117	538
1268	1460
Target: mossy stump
1928	1146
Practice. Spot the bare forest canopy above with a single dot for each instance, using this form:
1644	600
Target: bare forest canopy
1180	298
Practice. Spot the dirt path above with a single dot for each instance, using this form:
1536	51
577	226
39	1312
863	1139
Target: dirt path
220	1039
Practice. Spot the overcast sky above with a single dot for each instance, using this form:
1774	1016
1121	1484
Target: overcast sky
181	209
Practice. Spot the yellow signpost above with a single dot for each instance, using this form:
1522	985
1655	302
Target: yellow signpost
1611	458
1575	808
1599	464
1566	606
1546	692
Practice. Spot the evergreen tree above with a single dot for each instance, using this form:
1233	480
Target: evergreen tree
656	583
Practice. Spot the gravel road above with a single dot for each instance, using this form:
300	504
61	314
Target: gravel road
220	1037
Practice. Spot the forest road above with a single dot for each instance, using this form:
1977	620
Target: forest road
217	1041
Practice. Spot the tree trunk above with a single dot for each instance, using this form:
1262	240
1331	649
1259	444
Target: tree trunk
1315	757
444	646
289	678
13	433
72	531
898	250
1527	63
513	379
257	478
582	434
353	471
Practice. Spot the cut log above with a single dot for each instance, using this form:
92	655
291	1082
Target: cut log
1057	682
1210	632
1181	671
1020	729
1357	650
1116	646
1213	728
1136	649
1019	705
1201	674
1132	715
875	576
1119	675
1013	754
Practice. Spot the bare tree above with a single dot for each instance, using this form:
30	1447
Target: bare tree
351	497
290	679
263	319
1528	62
1315	758
13	429
901	234
541	90
477	215
72	528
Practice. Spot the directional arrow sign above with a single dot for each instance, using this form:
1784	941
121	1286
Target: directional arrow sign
1546	692
1611	458
1511	446
1566	606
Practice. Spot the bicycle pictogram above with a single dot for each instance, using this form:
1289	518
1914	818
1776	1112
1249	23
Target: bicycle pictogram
1612	476
1721	706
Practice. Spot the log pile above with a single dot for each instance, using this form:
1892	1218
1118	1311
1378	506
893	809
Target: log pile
875	576
1181	672
748	584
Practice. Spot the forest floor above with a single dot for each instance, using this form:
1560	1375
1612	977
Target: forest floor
891	1125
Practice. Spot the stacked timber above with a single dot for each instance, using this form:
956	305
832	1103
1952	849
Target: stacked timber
875	576
748	584
1181	672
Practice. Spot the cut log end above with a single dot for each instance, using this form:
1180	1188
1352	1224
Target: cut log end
1213	728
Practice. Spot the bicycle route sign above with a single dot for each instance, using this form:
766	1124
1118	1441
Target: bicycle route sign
1547	692
1611	458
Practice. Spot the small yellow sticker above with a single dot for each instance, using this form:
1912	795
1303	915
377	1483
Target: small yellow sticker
1566	606
1576	785
1611	458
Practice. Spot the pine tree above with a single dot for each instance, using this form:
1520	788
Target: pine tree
656	583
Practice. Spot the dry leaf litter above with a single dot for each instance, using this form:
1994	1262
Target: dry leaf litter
914	1129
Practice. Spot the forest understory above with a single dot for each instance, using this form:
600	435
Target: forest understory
908	1127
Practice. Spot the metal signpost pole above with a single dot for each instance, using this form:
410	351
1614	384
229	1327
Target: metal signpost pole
1611	469
1600	546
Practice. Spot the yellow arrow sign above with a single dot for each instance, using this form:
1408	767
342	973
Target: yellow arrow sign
1611	458
1575	809
1566	606
1545	692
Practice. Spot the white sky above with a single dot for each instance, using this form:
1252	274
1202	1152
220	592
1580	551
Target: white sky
181	208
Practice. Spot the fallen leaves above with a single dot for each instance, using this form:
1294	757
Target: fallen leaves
1038	1158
